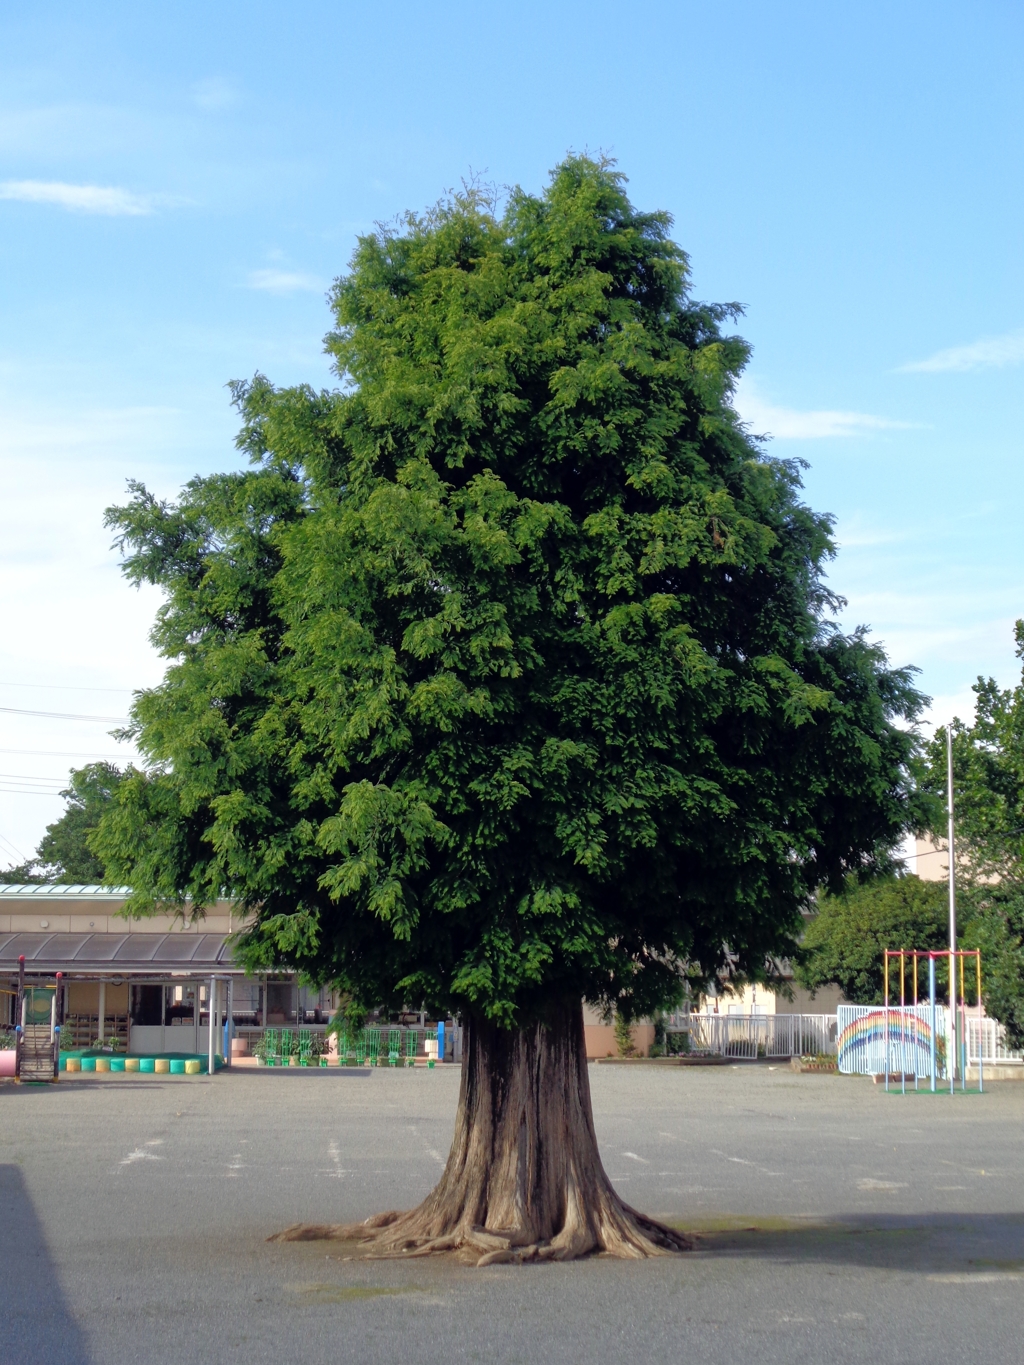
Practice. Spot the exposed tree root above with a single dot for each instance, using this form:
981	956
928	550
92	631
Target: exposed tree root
620	1232
524	1180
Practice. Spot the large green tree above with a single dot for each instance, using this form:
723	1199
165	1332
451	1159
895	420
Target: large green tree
845	942
504	678
988	765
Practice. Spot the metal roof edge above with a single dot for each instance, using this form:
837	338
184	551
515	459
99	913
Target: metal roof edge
73	891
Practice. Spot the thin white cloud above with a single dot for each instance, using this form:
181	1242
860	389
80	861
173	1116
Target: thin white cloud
994	353
792	424
283	281
961	704
214	93
104	199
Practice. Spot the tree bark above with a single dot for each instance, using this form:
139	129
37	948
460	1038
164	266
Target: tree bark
524	1180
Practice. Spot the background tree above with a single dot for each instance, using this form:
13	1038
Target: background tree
21	874
504	679
988	766
844	944
64	854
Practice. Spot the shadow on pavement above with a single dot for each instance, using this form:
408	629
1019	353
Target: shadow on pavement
965	1247
36	1325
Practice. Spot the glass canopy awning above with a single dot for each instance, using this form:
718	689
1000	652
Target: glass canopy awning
126	954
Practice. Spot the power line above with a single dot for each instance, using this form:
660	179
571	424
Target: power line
36	781
66	687
61	715
14	849
64	753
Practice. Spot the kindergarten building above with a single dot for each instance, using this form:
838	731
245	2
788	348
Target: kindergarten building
146	983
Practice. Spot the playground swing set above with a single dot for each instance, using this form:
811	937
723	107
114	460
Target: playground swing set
914	1032
911	1031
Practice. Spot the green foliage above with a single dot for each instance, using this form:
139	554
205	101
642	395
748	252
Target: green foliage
988	789
349	1017
65	855
624	1037
504	673
845	942
66	844
988	764
24	874
995	923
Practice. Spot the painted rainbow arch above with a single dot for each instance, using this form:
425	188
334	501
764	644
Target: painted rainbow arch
864	1031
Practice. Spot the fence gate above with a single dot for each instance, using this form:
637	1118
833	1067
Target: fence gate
749	1036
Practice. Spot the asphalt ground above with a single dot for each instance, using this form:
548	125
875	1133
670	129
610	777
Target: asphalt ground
836	1223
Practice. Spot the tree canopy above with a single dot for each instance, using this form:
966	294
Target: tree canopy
64	854
988	788
845	942
507	671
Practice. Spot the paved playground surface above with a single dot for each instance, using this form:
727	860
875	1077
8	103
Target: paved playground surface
838	1224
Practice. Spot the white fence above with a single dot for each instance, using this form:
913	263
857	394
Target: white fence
757	1035
988	1037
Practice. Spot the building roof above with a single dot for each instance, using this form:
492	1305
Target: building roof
131	954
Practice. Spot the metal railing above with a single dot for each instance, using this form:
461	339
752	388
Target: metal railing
749	1036
391	1044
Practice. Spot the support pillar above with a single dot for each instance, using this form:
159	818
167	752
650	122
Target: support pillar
210	1033
102	1012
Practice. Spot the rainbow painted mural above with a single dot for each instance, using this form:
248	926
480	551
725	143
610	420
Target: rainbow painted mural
872	1040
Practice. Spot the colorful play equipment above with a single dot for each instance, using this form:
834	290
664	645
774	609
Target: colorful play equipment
906	1031
166	1064
909	1029
37	1030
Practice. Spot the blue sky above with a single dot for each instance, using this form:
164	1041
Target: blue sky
179	185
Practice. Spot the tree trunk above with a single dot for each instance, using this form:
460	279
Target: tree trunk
524	1179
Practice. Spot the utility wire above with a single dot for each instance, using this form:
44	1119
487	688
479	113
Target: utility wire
66	687
14	849
60	715
31	777
64	753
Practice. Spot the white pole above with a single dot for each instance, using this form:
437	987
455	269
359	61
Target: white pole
102	1011
210	1036
230	1018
